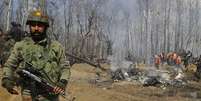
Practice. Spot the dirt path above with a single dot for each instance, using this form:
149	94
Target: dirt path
81	87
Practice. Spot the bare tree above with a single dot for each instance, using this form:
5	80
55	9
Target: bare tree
8	14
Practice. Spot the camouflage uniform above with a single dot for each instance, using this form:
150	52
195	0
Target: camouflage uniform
6	46
49	59
45	56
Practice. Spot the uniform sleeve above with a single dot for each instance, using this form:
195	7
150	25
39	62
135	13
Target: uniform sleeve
12	62
65	66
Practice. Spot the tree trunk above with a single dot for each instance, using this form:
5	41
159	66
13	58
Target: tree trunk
8	15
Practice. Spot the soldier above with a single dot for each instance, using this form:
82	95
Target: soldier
6	44
157	61
170	60
198	64
178	61
40	53
187	56
8	40
14	35
178	64
16	32
162	57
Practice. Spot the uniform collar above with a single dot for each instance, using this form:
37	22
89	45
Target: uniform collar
43	42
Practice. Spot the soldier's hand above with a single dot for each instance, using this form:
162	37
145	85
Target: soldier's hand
13	91
9	85
58	90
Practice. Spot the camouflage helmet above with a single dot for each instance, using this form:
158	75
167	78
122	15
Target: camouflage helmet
38	16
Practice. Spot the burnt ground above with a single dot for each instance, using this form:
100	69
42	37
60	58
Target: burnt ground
84	88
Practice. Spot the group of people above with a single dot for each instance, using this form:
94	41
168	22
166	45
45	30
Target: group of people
176	59
171	58
39	52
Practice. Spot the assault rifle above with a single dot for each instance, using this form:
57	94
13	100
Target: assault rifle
27	73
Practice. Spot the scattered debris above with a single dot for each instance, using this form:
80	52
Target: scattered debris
149	77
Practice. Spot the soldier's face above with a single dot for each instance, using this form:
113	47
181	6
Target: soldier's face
38	31
37	28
